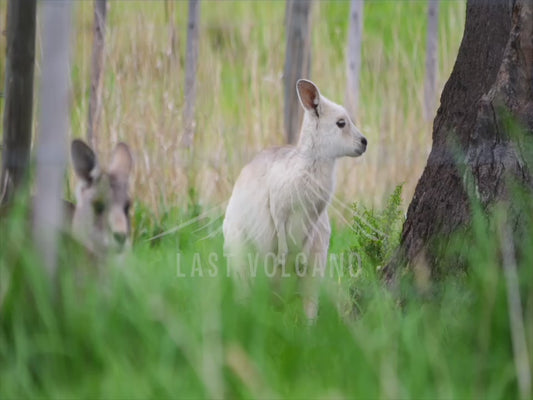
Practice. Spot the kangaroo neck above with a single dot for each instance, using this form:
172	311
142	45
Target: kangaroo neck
309	147
316	163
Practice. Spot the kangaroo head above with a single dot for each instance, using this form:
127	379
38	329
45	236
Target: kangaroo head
327	129
101	218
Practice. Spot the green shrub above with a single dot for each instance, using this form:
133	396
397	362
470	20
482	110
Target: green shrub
377	233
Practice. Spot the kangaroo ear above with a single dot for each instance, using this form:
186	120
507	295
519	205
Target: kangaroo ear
121	161
84	160
309	95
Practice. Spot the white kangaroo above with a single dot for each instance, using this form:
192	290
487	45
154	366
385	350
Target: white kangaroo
278	205
101	219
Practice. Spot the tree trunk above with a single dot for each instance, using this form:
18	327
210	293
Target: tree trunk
191	60
473	151
52	143
172	39
97	66
432	47
353	55
297	62
18	91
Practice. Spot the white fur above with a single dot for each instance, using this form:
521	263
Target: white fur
279	200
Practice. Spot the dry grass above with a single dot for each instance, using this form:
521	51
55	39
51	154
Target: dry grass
239	109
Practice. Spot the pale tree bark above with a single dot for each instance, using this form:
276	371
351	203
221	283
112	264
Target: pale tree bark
297	62
353	56
53	126
191	64
476	151
18	92
172	39
97	67
432	47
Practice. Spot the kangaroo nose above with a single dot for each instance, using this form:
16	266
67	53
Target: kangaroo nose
363	140
120	237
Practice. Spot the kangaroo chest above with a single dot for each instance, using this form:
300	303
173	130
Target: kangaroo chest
299	202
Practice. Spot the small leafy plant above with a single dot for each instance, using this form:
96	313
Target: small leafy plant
377	233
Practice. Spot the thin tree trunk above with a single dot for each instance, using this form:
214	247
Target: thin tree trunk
353	55
432	47
18	92
190	73
475	148
97	66
169	14
53	122
297	62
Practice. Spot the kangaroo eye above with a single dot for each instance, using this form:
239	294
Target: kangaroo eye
98	207
127	207
341	123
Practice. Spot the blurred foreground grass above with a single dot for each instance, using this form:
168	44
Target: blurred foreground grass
165	322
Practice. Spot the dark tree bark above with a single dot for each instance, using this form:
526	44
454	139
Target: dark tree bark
474	151
297	62
97	66
18	108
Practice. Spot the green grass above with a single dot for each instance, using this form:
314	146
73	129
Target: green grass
138	329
